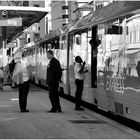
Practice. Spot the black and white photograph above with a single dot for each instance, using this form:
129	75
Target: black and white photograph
69	69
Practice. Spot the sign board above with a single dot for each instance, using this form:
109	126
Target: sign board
33	28
11	22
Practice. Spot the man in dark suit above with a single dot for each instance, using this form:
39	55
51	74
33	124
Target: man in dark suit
53	78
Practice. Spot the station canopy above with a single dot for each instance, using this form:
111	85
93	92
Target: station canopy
109	13
61	31
18	19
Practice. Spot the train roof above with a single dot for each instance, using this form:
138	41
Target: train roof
109	13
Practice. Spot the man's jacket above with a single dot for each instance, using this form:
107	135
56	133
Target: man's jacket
54	72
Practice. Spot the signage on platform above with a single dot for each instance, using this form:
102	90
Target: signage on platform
11	22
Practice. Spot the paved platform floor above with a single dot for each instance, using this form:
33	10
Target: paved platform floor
39	124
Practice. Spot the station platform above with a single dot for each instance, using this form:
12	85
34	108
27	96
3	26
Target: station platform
39	124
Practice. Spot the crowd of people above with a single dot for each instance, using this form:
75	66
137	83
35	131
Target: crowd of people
20	73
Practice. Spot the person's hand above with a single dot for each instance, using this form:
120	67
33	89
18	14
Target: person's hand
86	71
84	63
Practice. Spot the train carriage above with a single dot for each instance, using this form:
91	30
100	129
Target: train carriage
118	82
37	57
113	79
112	57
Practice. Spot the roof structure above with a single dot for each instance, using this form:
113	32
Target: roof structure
108	13
116	10
61	31
29	16
85	7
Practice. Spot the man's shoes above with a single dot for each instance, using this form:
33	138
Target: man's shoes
59	110
79	108
24	110
52	111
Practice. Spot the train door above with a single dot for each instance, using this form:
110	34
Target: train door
63	61
74	49
93	44
79	46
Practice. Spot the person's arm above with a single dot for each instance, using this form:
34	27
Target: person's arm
58	70
55	68
85	71
82	68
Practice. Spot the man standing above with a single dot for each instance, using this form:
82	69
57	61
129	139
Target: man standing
79	81
53	78
21	76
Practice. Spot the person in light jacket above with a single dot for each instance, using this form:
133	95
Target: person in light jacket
21	77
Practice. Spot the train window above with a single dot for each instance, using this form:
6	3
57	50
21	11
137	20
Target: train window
78	39
28	40
134	34
37	50
25	3
130	36
64	37
139	34
9	51
43	46
36	5
63	24
36	36
64	16
114	29
64	7
62	46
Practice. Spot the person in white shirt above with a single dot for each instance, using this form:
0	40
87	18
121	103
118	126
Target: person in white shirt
79	80
21	77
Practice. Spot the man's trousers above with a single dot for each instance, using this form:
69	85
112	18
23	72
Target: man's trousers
23	93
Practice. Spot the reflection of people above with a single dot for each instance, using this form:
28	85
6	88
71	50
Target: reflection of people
138	69
79	80
11	66
21	77
53	78
1	74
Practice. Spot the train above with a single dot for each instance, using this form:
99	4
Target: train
108	40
